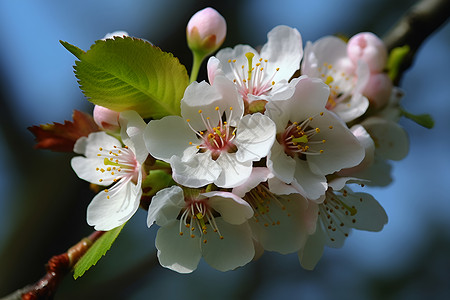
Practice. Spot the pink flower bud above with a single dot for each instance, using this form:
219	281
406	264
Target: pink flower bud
206	30
106	118
368	47
378	90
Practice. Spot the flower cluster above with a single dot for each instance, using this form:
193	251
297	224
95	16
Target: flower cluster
261	155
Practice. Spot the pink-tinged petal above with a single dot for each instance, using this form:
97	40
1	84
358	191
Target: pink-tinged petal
86	169
280	164
391	140
309	99
283	231
378	90
105	214
180	253
311	253
234	172
258	175
200	170
313	184
214	68
254	137
284	50
341	148
168	137
89	146
165	206
132	129
232	208
328	50
234	250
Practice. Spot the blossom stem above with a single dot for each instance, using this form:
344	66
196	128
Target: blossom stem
198	58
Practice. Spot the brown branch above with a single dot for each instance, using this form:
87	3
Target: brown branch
57	267
416	26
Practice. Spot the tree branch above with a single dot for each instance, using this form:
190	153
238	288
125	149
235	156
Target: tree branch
416	26
57	267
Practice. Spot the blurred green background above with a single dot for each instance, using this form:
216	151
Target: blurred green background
43	203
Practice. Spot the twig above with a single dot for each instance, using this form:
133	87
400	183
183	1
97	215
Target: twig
416	26
57	267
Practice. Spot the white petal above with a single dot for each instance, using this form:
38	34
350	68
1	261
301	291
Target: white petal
132	128
284	50
196	172
254	137
232	209
234	172
391	140
309	99
234	250
370	214
311	253
314	185
86	169
283	231
204	97
237	53
180	253
165	206
168	137
90	146
230	98
280	164
105	214
328	49
258	175
355	107
341	148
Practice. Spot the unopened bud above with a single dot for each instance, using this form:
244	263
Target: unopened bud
206	31
378	90
370	48
106	118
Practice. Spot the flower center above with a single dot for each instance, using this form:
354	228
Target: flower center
298	138
119	165
260	198
216	139
335	215
253	80
341	84
196	216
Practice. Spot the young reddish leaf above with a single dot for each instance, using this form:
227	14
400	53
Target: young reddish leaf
62	137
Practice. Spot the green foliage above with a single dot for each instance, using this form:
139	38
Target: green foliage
96	251
395	61
131	74
155	181
424	120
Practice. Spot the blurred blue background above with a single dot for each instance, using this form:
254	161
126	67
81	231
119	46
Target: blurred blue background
42	204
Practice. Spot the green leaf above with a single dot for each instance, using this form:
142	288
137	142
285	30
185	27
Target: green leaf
96	251
395	60
73	49
424	120
131	74
155	181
